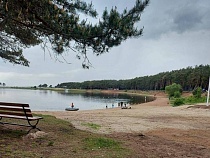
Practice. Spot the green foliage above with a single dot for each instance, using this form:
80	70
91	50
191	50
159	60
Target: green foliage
29	23
177	94
187	100
43	85
197	92
178	102
98	143
173	90
2	84
50	143
194	100
188	79
92	125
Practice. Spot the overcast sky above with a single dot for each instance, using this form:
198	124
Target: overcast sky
176	35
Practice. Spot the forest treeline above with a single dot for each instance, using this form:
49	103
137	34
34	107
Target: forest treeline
189	78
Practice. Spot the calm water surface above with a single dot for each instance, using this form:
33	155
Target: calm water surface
46	100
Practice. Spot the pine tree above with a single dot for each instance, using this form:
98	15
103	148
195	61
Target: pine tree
26	23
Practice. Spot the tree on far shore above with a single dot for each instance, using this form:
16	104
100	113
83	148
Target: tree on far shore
26	23
2	84
43	85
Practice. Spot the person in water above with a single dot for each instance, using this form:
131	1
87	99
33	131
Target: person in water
72	105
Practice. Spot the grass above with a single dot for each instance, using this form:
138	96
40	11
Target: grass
62	140
92	125
194	100
187	100
101	143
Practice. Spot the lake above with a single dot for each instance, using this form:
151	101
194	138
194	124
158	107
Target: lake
47	100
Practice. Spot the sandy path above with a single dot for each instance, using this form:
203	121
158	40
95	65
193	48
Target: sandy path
140	118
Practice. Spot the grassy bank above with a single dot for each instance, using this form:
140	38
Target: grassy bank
61	140
191	100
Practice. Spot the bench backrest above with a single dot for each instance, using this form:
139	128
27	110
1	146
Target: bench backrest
15	109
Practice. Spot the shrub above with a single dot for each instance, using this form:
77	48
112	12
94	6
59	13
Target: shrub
197	92
178	102
171	89
177	94
194	100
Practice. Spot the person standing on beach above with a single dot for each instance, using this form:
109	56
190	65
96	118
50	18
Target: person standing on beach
121	104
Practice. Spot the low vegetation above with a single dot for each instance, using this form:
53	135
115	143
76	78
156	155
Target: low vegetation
174	92
102	143
187	100
61	140
92	125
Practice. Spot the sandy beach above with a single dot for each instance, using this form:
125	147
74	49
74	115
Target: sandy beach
140	118
153	127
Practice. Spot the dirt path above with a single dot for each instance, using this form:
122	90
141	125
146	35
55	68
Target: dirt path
153	129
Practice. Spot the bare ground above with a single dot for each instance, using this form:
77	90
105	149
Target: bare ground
153	129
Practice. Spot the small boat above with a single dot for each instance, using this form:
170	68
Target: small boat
125	107
71	109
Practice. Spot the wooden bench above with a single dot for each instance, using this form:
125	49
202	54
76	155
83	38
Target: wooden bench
18	111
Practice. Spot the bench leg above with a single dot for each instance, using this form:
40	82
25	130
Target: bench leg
1	122
33	126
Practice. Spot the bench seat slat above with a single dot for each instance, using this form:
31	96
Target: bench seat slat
28	114
20	117
14	109
14	104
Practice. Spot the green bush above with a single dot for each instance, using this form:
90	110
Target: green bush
194	100
177	94
178	102
197	92
172	89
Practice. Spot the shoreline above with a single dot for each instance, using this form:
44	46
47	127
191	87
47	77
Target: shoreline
144	117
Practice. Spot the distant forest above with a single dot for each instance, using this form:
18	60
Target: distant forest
189	78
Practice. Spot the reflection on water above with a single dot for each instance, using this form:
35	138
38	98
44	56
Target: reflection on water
47	100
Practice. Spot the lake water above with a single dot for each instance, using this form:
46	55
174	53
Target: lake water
46	100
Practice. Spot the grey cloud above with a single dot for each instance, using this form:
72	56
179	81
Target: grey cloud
187	20
164	16
192	15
